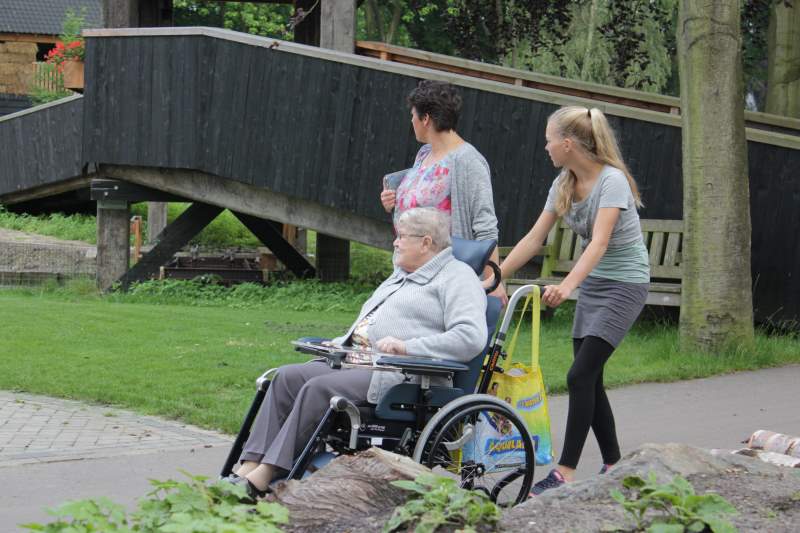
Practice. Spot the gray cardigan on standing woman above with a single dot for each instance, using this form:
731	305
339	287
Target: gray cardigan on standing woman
472	204
439	310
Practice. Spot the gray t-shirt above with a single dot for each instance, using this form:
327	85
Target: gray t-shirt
626	258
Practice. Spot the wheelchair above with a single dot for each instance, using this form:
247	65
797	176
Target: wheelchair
438	427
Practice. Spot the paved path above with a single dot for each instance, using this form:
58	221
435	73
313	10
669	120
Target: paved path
54	450
37	429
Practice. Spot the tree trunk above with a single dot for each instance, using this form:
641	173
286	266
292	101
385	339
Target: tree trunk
587	55
716	300
395	22
373	21
783	68
315	504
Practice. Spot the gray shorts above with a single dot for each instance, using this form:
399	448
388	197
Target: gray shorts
608	308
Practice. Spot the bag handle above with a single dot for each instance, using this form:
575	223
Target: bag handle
535	298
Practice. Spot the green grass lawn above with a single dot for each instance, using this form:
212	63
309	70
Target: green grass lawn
198	362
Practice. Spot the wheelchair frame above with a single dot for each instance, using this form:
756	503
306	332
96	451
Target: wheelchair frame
346	429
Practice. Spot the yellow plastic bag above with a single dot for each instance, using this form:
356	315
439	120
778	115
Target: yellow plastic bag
523	387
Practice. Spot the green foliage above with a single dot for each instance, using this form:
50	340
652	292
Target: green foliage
48	79
74	23
306	295
268	20
438	502
172	507
48	85
677	506
613	43
70	227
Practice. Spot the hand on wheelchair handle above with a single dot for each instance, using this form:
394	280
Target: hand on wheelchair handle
391	345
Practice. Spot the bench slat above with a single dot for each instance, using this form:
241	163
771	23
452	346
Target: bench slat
656	246
671	256
565	252
665	272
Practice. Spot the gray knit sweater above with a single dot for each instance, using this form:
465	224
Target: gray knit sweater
471	200
439	310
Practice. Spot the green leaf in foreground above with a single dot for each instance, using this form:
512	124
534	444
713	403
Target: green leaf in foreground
439	501
673	507
172	507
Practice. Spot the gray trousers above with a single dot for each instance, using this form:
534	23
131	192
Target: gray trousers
296	400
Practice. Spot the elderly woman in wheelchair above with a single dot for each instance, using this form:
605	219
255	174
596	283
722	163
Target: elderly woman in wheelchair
418	342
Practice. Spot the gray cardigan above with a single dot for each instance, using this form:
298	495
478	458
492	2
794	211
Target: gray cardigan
439	310
471	200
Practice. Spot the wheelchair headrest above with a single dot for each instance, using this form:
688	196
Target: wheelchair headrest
474	253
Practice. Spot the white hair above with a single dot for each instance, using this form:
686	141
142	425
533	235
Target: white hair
427	221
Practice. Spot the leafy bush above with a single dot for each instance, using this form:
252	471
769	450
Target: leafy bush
439	502
300	295
69	227
679	507
172	507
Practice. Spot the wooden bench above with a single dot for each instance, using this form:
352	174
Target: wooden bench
664	242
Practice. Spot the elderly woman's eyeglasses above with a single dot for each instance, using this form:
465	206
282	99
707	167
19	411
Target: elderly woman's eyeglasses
402	236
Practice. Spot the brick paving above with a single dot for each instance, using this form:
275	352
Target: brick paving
38	429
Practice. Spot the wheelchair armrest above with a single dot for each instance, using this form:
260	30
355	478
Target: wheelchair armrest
422	365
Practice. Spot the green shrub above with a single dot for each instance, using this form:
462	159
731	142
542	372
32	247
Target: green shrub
679	508
171	507
69	227
299	295
440	502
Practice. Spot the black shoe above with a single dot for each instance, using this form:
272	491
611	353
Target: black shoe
554	479
254	494
606	468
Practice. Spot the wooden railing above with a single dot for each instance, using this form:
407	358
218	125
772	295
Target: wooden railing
554	84
46	78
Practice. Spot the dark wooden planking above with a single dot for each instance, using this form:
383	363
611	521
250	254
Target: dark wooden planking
11	103
41	147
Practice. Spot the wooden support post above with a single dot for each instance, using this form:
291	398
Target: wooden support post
269	233
338	25
333	258
156	220
113	242
121	13
337	32
172	239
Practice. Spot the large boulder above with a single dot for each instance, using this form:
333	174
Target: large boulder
765	495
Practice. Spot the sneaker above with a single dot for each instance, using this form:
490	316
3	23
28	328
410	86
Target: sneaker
606	468
554	479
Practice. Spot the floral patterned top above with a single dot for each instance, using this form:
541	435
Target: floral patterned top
360	340
425	186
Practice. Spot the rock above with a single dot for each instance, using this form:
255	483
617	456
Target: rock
765	495
351	493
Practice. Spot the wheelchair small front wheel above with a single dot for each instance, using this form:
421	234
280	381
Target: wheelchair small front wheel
487	447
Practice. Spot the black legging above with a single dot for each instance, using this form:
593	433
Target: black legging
588	403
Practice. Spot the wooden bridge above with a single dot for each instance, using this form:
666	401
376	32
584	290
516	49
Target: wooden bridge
279	132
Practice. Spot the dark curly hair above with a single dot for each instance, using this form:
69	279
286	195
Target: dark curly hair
439	100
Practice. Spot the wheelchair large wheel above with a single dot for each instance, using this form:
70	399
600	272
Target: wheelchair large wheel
482	442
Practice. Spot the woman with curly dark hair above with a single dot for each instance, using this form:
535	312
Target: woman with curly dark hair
448	172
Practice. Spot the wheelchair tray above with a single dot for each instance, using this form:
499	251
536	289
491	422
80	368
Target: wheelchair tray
410	364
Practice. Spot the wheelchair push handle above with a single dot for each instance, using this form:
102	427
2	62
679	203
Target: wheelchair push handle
496	273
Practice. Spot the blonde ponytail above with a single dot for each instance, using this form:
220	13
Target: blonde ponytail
590	129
